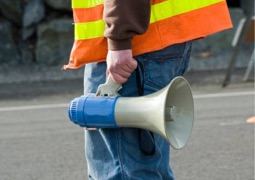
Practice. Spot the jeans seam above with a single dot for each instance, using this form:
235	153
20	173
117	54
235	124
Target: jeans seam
183	57
119	154
158	165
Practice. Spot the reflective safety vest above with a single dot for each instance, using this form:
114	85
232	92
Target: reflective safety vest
171	22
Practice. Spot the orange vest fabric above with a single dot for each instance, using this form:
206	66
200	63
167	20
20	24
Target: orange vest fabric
168	25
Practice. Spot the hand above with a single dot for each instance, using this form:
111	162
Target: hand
120	64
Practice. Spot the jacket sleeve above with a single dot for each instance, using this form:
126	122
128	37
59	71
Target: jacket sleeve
125	19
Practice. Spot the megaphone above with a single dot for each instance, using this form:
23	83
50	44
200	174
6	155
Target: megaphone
168	112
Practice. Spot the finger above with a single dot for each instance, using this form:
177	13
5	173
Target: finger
118	78
132	64
124	71
91	129
127	68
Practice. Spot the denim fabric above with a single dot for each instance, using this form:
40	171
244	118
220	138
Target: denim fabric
131	153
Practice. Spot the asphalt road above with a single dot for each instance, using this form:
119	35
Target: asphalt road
38	142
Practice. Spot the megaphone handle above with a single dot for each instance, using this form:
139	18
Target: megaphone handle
111	83
109	89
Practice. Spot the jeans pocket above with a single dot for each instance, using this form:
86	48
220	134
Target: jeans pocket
161	67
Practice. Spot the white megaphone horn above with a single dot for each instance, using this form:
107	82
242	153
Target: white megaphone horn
168	112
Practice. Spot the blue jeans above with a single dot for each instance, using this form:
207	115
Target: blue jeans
131	153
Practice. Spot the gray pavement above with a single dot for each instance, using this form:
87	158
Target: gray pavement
37	140
222	143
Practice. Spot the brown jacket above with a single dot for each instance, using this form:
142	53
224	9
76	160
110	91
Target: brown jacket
125	19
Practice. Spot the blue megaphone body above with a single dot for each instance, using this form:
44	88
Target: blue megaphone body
93	112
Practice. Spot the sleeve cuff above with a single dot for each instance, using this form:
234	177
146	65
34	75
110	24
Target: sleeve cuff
123	44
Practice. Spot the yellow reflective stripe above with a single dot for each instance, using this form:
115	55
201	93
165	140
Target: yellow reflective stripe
86	3
160	11
89	30
178	5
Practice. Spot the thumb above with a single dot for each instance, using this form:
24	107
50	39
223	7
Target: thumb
107	73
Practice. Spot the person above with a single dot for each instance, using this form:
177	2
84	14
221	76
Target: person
143	45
